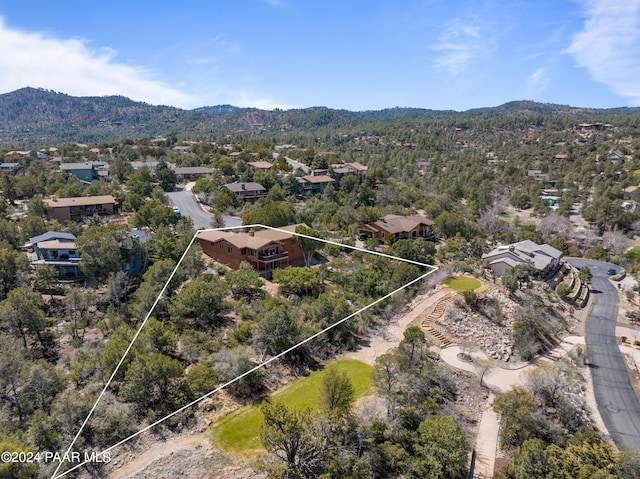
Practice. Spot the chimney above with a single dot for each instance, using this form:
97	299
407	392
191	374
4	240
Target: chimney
251	232
243	186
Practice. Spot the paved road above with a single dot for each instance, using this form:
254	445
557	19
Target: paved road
189	206
617	402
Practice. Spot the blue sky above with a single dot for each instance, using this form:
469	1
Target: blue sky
357	55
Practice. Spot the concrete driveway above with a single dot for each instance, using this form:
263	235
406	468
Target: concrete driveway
617	402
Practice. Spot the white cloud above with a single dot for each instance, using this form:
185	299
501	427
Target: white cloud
249	99
609	45
537	82
72	67
460	44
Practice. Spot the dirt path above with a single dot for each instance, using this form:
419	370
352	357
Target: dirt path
148	457
500	380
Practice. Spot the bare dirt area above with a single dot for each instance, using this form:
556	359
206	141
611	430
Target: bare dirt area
175	455
184	456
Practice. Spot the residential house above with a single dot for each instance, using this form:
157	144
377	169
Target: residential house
400	227
560	156
260	165
8	166
247	191
353	168
616	155
422	167
182	149
192	173
538	175
137	254
151	165
314	184
544	258
58	250
265	250
76	209
630	190
86	171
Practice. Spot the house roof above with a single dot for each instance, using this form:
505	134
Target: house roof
506	260
56	244
80	201
316	179
141	235
51	235
76	166
261	165
258	240
630	189
398	224
358	166
193	170
527	250
240	187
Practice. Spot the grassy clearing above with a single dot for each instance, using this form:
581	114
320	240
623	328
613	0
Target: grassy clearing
463	283
635	251
239	432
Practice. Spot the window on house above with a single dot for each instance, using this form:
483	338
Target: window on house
243	251
230	249
72	251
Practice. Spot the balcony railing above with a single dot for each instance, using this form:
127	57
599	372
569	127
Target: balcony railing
272	257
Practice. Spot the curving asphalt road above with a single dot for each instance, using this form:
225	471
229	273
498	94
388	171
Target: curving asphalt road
189	206
617	402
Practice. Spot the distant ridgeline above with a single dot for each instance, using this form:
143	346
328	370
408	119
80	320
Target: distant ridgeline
32	117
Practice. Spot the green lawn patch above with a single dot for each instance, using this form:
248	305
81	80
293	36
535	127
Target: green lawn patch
463	283
239	432
635	251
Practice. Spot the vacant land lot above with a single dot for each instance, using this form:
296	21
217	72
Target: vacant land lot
239	432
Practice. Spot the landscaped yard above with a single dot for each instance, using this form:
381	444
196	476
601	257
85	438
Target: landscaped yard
239	432
635	251
463	283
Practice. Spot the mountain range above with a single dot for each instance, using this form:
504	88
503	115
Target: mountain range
32	117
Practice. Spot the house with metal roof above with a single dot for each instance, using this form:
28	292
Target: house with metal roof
544	258
59	250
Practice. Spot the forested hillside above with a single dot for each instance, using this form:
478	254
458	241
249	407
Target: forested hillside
32	117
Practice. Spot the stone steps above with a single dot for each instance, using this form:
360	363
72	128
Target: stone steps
429	318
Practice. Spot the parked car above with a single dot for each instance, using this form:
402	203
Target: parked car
176	210
611	271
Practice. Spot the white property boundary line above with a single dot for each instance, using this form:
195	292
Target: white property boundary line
246	373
